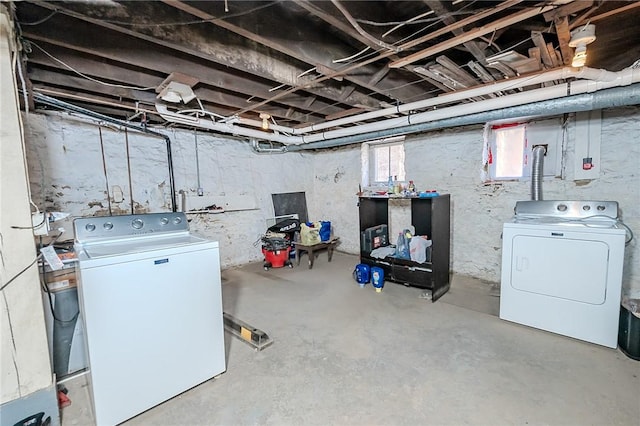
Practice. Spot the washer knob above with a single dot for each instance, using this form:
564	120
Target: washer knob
108	226
137	223
90	227
177	220
164	221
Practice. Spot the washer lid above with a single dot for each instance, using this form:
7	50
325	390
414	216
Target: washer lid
136	245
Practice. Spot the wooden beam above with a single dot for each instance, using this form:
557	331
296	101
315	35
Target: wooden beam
631	5
538	40
562	30
445	14
582	18
379	75
470	35
567	9
346	90
431	78
348	69
504	69
310	101
479	70
62	93
336	23
280	47
235	88
325	91
534	53
554	57
461	75
460	24
345	113
79	84
325	70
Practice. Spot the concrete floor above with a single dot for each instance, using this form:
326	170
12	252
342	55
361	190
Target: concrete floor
348	355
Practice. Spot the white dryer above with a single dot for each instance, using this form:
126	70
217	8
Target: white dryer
562	268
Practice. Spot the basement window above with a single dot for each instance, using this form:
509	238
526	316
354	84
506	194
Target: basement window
507	153
381	159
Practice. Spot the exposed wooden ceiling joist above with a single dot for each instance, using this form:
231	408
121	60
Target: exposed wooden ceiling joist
287	49
302	61
442	11
221	57
470	35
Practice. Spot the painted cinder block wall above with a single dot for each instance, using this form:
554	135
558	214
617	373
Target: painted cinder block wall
448	161
66	171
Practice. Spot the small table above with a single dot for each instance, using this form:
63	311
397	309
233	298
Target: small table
329	245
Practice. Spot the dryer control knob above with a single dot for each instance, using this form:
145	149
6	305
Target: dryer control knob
177	220
90	227
108	226
137	223
164	221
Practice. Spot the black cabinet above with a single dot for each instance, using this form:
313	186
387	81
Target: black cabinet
429	216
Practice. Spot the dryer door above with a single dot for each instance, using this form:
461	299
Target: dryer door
565	265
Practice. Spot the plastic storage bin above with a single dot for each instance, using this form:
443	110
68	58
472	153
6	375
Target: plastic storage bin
629	333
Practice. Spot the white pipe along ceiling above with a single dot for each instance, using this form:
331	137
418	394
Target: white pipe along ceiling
588	80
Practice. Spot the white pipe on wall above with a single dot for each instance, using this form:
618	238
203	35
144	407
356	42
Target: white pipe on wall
605	79
608	98
485	89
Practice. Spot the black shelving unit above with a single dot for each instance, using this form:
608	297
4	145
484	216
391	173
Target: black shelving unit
429	216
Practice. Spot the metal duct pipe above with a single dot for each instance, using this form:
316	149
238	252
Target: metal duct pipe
596	75
537	167
606	98
485	89
73	108
622	78
255	145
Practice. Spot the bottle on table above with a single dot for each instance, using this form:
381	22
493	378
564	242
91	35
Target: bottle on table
411	188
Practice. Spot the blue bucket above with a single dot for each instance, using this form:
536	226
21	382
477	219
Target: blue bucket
377	278
361	274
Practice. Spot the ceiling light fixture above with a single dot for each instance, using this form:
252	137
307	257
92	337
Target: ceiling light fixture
580	38
176	92
265	120
176	88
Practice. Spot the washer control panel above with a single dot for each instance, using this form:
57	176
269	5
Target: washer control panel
567	209
106	227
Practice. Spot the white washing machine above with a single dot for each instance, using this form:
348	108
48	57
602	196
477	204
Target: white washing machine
562	268
150	298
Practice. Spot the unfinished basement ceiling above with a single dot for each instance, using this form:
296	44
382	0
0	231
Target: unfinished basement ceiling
298	63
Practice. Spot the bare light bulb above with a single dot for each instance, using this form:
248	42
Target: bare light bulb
265	120
580	56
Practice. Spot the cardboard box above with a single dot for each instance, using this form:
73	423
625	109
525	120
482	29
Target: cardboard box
61	279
